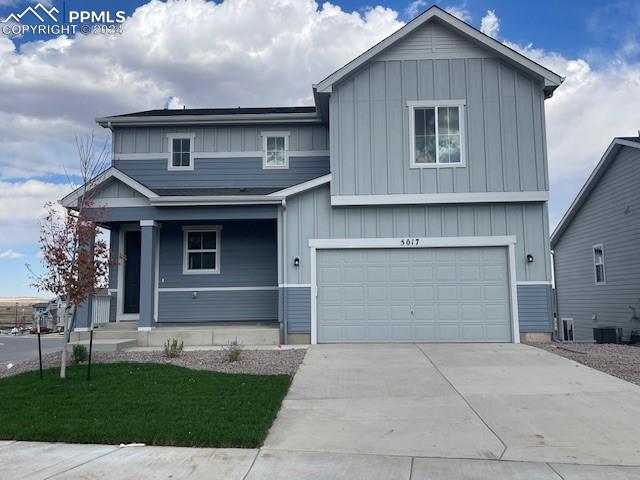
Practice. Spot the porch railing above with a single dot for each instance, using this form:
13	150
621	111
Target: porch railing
100	310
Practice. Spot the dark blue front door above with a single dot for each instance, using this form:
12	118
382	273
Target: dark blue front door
132	272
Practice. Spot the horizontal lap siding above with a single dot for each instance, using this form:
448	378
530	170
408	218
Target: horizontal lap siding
504	115
297	308
534	308
221	172
181	307
610	216
248	256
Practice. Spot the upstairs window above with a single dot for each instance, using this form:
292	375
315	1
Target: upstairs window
276	147
202	250
437	134
180	152
598	264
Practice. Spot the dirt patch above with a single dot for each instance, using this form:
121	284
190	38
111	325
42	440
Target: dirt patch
622	361
259	362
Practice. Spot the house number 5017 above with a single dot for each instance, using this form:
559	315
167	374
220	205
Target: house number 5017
409	242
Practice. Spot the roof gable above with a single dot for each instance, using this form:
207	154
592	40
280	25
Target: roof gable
441	19
111	183
607	159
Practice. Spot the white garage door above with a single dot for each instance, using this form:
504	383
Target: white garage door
413	295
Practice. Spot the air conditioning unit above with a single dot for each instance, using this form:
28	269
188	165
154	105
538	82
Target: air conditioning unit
607	335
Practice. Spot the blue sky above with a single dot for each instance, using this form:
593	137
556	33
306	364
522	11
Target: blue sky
198	53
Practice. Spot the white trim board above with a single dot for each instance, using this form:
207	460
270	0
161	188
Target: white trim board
214	289
508	241
534	282
242	155
302	187
294	285
439	198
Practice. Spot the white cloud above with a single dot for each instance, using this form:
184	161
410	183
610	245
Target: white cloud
490	24
10	255
460	11
234	53
415	7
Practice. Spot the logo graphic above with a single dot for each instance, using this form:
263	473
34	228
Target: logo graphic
34	11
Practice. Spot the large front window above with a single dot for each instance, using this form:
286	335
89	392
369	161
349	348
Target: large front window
202	250
437	134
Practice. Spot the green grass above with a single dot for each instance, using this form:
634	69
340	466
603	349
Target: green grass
148	403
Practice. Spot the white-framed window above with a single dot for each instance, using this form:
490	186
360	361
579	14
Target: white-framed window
568	332
598	264
201	247
436	133
180	151
276	149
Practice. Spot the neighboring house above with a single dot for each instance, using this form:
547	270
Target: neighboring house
47	313
597	273
408	204
41	315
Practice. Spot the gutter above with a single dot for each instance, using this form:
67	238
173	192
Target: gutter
209	119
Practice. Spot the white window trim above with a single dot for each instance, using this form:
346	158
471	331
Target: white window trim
573	329
267	134
604	268
508	241
412	105
185	250
175	136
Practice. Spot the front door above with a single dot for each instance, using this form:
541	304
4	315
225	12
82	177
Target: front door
131	265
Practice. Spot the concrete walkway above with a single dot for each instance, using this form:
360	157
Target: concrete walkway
489	401
410	412
40	461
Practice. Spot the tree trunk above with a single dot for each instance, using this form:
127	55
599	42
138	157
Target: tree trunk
67	336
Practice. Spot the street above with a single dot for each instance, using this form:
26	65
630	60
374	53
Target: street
24	347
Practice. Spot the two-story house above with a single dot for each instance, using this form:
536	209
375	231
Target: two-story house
409	204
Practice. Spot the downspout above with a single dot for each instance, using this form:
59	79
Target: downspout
556	310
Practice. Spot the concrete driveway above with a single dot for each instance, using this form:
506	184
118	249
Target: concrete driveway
464	401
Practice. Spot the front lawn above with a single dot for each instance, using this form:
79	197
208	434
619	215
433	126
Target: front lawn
146	403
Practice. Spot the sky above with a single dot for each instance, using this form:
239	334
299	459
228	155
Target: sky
269	52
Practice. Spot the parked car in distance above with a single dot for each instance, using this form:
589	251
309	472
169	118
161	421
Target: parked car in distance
42	330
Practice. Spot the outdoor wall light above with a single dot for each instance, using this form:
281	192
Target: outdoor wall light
194	295
296	262
529	258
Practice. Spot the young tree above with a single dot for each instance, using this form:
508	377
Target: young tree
75	257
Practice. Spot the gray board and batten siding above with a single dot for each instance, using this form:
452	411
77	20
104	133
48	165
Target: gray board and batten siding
504	121
309	216
134	149
609	216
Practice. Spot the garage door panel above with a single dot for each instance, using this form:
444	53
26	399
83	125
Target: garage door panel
423	295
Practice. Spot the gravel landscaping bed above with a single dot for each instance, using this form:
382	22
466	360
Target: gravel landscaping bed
258	362
622	361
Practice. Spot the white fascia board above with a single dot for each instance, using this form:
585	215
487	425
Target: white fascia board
302	187
589	185
417	242
552	79
439	198
111	172
194	200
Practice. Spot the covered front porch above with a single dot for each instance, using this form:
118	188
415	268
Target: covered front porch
207	275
